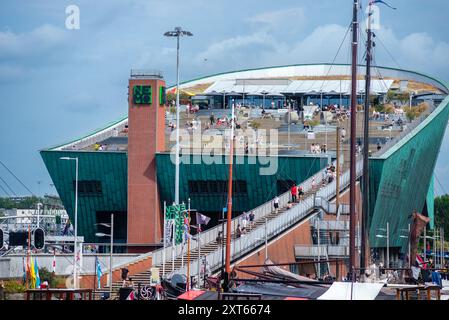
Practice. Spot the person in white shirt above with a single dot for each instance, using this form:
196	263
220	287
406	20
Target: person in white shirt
276	204
244	222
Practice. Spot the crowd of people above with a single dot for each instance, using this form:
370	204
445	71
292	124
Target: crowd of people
246	222
329	175
317	149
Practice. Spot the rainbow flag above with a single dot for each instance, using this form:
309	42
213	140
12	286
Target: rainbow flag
36	272
32	274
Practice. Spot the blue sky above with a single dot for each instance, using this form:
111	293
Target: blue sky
57	84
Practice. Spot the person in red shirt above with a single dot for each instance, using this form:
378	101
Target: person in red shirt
294	191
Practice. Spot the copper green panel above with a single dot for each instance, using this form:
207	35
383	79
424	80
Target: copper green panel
260	188
110	168
400	179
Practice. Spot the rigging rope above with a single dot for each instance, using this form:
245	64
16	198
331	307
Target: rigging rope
7	185
1	162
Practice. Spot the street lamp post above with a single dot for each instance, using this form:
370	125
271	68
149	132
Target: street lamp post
387	236
75	247
111	235
409	250
178	32
264	93
266	239
224	99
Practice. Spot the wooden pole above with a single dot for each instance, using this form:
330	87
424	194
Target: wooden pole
338	171
28	256
229	215
188	247
365	179
352	157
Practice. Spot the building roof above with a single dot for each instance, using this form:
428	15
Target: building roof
296	86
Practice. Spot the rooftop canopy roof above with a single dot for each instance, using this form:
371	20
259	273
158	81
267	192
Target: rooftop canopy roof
296	86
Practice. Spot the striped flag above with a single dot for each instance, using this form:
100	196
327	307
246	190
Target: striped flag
98	271
36	271
32	274
53	264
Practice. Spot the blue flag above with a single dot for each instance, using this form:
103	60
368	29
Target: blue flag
24	278
36	271
383	2
98	271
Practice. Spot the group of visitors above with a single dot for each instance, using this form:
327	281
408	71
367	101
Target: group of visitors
329	175
192	109
100	147
246	221
317	149
172	125
192	125
297	192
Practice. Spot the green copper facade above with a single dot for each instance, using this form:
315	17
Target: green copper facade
103	185
400	180
251	189
102	189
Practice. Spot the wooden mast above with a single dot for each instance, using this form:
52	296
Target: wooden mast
365	179
229	216
353	172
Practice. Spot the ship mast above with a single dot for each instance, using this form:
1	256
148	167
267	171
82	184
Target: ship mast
365	179
352	217
229	216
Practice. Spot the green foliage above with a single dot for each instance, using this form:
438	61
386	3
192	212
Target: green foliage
313	123
403	97
254	124
23	203
442	213
416	111
53	280
14	286
171	97
379	108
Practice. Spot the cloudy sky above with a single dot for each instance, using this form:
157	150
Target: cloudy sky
57	84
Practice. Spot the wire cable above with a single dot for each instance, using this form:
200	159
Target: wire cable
7	185
31	192
335	57
6	192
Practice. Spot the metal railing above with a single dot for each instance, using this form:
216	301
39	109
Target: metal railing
249	242
322	250
331	225
331	207
96	137
404	133
210	235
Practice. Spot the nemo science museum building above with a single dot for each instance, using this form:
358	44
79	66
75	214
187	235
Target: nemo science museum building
293	123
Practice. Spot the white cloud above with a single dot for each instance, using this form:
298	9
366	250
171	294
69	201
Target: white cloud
279	17
38	40
416	51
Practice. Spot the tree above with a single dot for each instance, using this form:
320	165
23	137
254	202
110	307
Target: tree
442	213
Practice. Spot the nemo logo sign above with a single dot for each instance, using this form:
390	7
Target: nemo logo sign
141	95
